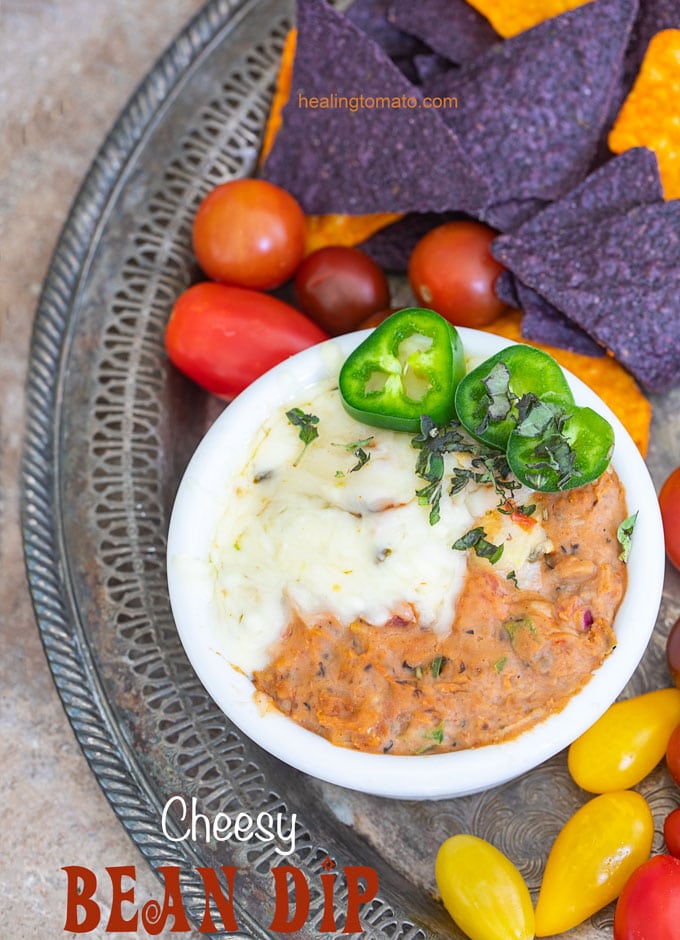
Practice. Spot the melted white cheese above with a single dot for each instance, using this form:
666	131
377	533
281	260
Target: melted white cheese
305	532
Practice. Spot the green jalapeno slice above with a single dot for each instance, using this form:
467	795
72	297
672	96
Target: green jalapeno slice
409	366
496	395
556	449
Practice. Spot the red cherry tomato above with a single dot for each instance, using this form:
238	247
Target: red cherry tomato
338	287
249	232
673	756
669	501
452	270
649	905
673	652
376	318
225	337
671	832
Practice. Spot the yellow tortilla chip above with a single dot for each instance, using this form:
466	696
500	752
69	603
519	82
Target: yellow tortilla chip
650	116
281	93
509	17
603	374
325	230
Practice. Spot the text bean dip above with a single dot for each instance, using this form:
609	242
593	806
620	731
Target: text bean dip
357	617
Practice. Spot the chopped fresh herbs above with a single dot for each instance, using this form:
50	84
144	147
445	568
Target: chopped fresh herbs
436	666
513	627
511	576
499	666
624	534
362	458
552	450
499	400
432	443
437	734
492	467
477	540
353	445
308	428
557	448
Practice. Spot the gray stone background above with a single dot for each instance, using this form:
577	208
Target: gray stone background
67	67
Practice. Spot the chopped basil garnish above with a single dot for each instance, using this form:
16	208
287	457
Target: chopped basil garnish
307	424
436	666
553	451
624	534
433	442
362	458
437	734
499	400
351	447
476	539
499	666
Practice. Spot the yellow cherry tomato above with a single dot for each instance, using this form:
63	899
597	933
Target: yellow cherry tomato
483	891
592	858
626	743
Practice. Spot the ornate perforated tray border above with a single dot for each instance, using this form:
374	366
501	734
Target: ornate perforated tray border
109	429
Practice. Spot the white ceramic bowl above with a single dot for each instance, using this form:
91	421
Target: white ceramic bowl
200	502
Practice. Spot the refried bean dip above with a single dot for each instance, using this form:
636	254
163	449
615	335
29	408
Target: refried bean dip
356	617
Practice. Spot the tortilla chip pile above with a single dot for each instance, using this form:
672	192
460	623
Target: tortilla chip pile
534	90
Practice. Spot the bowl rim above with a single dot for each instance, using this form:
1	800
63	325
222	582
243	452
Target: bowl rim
433	776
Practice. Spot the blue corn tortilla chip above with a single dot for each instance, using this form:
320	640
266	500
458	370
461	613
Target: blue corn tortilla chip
619	280
429	65
533	109
509	215
388	158
391	247
629	180
452	28
505	288
370	16
545	324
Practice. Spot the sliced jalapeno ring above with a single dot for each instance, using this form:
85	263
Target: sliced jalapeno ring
409	366
570	449
495	396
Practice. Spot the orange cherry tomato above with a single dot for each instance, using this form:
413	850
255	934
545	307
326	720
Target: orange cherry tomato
249	232
225	337
592	858
626	742
452	270
482	890
669	502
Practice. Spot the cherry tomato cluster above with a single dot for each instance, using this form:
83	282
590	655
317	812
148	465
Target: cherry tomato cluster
603	851
249	238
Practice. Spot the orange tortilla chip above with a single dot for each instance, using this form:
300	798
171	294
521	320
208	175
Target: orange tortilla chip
509	17
281	93
650	116
350	230
603	374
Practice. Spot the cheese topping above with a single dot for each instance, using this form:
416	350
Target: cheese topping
318	530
